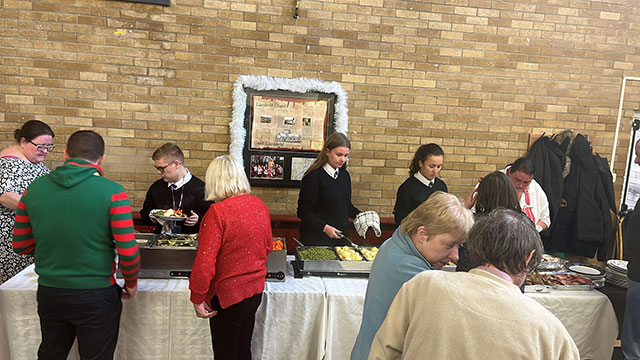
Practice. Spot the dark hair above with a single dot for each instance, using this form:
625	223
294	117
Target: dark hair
525	165
85	144
333	141
31	130
170	150
422	154
496	190
504	238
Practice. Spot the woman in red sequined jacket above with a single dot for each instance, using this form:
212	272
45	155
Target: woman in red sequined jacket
229	271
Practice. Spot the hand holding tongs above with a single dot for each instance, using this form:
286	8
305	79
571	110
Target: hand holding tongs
350	242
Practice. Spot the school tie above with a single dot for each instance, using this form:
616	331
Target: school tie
335	174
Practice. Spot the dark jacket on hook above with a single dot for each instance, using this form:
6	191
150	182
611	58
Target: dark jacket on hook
583	224
548	159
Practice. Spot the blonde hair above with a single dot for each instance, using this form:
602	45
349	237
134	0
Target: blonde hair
225	178
441	213
333	141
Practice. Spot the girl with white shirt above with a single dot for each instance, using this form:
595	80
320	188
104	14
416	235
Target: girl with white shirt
422	182
324	202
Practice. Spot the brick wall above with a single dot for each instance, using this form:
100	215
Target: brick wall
476	76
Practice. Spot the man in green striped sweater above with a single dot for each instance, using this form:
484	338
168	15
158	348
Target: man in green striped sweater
74	221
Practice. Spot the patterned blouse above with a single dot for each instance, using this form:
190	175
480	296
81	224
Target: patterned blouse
15	175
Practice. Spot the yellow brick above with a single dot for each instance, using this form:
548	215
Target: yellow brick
605	15
424	83
450	52
121	133
18	99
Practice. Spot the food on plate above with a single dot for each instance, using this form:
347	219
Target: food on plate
550	266
278	245
557	279
181	240
551	263
547	257
170	213
537	279
569	279
317	253
369	253
347	253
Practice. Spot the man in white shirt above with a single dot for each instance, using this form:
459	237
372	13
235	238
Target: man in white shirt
480	313
533	200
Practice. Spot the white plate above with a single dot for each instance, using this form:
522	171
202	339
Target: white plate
613	272
620	265
170	218
587	270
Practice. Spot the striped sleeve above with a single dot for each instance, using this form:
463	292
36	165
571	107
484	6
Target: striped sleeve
122	230
23	242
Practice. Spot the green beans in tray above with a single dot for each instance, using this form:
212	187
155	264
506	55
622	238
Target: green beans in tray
317	253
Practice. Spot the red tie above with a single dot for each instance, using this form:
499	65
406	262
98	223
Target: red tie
527	210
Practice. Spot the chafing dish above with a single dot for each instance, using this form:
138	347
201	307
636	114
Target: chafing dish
277	263
335	267
166	256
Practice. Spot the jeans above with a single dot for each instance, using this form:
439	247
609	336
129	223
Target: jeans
93	316
631	328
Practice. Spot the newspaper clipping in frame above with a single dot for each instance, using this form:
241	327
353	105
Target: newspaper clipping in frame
288	124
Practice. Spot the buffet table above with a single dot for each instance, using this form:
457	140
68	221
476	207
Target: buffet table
308	318
160	323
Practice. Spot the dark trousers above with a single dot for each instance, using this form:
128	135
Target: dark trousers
91	315
232	328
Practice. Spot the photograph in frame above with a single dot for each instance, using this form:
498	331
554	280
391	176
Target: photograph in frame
266	167
284	119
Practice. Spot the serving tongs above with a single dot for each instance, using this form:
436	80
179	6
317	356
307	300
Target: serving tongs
356	246
298	241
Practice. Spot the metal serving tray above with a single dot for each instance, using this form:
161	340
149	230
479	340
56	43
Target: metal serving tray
166	256
332	267
277	262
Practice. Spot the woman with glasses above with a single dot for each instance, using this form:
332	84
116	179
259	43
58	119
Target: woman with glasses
20	164
177	189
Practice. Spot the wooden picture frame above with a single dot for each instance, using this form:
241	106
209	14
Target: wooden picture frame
279	125
285	132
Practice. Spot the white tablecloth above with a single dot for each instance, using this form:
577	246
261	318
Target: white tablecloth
298	319
160	323
588	316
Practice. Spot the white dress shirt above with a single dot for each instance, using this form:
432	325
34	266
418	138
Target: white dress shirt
331	171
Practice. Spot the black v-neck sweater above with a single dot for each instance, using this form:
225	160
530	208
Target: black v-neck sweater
324	200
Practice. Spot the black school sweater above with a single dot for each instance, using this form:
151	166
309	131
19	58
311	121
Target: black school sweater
159	197
324	200
412	193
